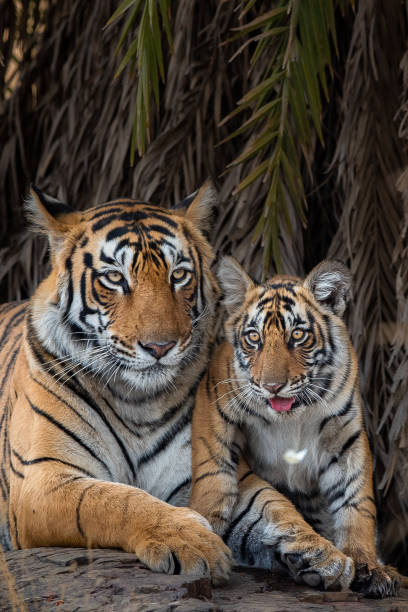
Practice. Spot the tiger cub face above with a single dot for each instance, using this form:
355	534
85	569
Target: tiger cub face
287	334
130	287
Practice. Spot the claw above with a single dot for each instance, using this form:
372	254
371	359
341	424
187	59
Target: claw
377	583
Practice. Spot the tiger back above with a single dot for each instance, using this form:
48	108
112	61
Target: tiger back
284	388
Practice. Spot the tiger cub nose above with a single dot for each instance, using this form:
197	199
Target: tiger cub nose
158	349
274	388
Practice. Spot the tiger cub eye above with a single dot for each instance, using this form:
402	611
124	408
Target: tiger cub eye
114	277
299	334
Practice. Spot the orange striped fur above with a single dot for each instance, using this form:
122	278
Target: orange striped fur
98	372
286	379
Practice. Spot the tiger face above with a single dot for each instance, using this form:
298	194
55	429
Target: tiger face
130	287
288	336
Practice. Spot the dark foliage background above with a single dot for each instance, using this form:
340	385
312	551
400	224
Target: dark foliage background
66	124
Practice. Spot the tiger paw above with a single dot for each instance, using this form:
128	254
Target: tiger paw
378	582
321	566
184	544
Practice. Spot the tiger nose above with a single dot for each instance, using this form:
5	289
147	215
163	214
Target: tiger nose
158	349
274	388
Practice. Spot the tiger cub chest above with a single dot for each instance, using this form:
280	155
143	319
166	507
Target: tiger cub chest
271	453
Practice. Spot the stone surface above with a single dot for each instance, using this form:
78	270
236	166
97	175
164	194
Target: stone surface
68	579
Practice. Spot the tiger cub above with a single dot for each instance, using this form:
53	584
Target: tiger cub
285	380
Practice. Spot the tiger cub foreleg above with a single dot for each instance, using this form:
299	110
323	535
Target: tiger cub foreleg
267	531
256	521
346	482
216	447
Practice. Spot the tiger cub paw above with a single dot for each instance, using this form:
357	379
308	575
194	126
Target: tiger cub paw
377	582
184	544
323	567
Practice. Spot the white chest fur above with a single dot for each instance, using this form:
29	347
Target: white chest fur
268	445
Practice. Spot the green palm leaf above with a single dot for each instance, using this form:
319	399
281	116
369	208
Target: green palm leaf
285	106
151	20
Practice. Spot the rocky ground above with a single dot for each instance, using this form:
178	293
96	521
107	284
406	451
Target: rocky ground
67	579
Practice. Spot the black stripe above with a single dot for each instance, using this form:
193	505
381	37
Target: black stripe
63	401
167	438
16	530
162	230
241	515
246	475
342	412
184	483
3	487
344	448
63	484
5	308
69	433
346	502
15	320
117	233
250	529
224	416
350	442
220	411
44	459
170	412
9	366
207	474
16	472
218	459
163	217
177	565
78	509
332	490
88	399
68	265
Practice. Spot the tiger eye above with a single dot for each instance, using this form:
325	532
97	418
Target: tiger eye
253	336
114	277
298	334
179	275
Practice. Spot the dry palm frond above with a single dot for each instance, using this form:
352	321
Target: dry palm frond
369	160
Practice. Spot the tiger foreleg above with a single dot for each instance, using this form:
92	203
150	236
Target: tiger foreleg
69	509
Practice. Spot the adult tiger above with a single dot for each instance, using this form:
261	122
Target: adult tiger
287	378
97	381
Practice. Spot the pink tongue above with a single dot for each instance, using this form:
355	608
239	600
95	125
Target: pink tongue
281	404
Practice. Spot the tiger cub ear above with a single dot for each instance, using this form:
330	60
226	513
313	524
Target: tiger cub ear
50	216
330	283
199	206
234	282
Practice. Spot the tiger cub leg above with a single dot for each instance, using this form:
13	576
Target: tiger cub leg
51	507
346	483
216	447
266	530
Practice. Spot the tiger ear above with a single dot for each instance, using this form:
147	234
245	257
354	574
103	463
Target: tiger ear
50	216
199	206
234	281
330	283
